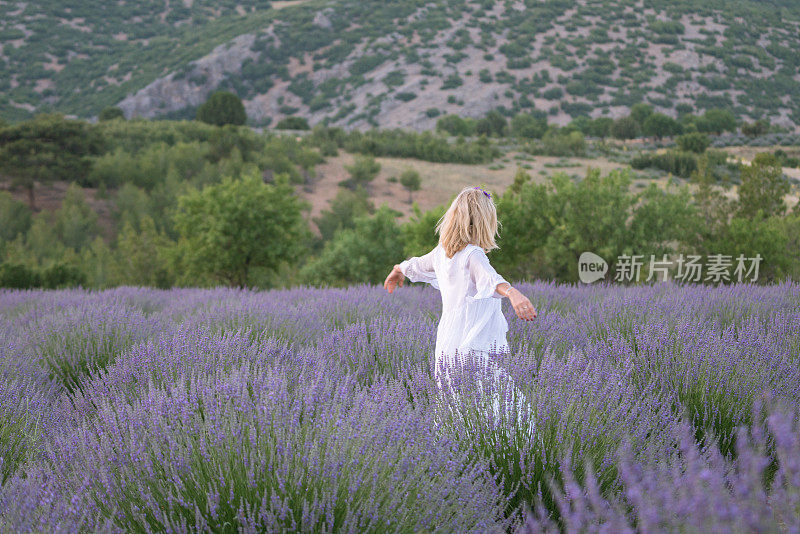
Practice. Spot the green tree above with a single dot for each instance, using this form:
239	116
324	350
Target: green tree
45	149
593	216
763	188
419	233
222	108
560	144
345	207
528	126
754	129
75	222
110	113
640	112
696	142
625	128
411	180
142	255
494	123
60	275
528	216
659	125
100	264
601	127
363	170
662	218
363	254
17	276
229	229
712	208
549	225
772	238
15	217
719	120
455	125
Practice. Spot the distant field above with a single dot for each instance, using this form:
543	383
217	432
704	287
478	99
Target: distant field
441	181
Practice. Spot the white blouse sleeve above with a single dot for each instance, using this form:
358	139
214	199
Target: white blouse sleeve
420	269
483	274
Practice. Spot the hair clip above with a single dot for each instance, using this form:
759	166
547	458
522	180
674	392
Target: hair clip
488	195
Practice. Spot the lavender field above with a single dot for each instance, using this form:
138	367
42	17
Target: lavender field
657	408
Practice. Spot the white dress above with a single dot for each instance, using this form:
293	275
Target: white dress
472	321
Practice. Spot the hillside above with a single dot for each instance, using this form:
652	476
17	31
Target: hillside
361	63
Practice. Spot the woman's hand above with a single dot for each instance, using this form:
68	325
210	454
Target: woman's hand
522	305
395	278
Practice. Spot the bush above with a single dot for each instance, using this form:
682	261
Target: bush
660	125
60	275
455	125
362	172
554	93
625	128
111	113
405	97
754	129
293	123
360	254
528	126
222	108
555	143
676	162
493	124
15	217
425	146
693	142
452	81
14	276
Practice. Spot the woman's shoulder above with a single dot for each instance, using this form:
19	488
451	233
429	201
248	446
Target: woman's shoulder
470	249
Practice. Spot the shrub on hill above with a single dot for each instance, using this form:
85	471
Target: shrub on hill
696	142
455	125
110	113
293	123
425	146
675	162
222	108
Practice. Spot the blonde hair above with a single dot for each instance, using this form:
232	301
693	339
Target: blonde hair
471	219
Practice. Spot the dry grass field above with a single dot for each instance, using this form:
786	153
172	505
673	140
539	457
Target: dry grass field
440	181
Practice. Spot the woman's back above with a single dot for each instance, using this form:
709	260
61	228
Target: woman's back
472	317
465	277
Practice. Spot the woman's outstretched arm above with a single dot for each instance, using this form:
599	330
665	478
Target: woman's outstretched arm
490	284
417	269
521	304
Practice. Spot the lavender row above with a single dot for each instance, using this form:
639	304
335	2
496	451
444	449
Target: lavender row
316	410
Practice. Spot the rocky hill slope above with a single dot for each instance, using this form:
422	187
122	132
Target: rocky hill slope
363	63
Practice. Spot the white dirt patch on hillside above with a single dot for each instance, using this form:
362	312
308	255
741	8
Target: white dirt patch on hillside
53	63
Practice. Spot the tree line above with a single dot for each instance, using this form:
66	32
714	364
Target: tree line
193	204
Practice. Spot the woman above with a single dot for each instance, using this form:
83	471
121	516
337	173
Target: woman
472	321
